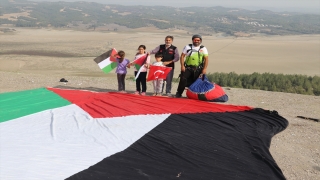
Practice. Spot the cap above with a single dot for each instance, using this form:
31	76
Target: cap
196	36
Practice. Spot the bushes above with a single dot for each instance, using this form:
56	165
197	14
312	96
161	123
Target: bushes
300	84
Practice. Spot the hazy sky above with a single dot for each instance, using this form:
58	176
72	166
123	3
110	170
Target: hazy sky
275	5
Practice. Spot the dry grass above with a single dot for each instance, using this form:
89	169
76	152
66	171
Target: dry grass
288	54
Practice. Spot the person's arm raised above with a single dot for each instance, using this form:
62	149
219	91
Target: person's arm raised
155	50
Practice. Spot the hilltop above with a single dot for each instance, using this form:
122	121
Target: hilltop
205	20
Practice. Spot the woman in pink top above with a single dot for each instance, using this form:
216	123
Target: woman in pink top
141	81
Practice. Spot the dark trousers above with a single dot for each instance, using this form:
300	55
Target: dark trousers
168	81
188	77
121	84
141	80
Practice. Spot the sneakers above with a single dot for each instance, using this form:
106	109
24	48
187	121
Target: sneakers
136	93
143	94
169	95
178	95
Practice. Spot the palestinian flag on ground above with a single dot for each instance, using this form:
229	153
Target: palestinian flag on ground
51	133
106	62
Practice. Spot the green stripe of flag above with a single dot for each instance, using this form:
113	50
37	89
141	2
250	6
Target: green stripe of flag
109	67
17	104
137	66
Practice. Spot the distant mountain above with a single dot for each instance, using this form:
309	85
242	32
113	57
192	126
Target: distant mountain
209	20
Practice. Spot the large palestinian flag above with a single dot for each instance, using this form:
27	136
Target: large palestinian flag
51	133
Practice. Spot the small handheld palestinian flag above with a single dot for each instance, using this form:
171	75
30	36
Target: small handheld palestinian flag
158	72
139	63
106	61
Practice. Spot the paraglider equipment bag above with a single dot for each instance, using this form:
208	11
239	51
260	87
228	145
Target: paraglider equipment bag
203	89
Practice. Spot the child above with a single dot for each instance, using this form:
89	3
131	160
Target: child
157	84
142	78
121	70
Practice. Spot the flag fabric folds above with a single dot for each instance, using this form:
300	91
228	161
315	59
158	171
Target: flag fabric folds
106	62
109	135
158	72
12	104
139	63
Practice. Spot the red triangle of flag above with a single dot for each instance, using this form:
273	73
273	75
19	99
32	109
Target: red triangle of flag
113	52
141	60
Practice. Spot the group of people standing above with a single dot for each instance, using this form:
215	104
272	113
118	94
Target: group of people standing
193	60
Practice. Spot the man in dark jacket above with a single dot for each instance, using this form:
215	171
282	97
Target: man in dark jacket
170	56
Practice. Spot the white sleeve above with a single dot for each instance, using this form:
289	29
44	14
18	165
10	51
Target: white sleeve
185	49
205	51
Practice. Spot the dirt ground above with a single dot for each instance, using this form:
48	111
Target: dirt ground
33	58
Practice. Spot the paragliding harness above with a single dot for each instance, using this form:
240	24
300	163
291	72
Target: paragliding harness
201	63
194	69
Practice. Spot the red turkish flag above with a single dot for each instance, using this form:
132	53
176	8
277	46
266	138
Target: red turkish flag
158	72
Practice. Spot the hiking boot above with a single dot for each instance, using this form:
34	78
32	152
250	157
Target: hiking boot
178	95
143	94
136	93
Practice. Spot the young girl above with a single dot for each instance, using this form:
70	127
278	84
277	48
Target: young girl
121	70
157	84
141	81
